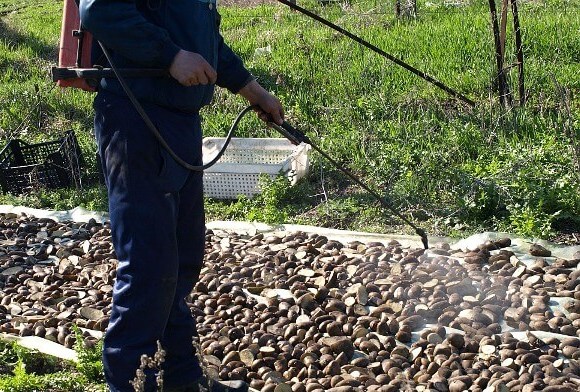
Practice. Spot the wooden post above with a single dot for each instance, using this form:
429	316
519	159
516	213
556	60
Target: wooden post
502	38
520	53
501	81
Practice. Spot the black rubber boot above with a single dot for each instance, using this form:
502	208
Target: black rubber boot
202	385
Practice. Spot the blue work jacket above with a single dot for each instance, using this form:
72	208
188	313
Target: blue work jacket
149	33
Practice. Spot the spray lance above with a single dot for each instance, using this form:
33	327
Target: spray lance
297	137
73	71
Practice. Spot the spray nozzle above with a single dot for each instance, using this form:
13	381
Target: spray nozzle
289	132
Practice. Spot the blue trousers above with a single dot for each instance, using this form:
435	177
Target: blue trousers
158	231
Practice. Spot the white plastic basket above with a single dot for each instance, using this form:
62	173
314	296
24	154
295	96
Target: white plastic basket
238	170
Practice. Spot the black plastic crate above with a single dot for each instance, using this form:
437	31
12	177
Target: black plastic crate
54	164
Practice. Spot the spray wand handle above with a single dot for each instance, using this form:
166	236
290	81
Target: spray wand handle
289	132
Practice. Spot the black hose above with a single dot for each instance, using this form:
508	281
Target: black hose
156	132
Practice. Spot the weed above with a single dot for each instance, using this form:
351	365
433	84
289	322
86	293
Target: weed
8	357
272	205
25	370
65	381
147	364
21	381
89	362
529	223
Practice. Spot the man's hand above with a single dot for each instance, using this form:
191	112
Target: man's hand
268	107
191	69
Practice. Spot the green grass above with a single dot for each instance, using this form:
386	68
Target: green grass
23	370
452	169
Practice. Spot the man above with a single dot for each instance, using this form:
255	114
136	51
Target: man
156	205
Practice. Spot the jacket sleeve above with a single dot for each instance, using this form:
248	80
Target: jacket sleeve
119	26
231	72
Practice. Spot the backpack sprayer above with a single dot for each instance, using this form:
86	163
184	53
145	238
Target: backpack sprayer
76	69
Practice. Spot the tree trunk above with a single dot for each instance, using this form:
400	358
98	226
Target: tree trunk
501	80
520	53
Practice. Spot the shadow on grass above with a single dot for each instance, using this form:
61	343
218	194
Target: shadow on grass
19	70
77	113
15	38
